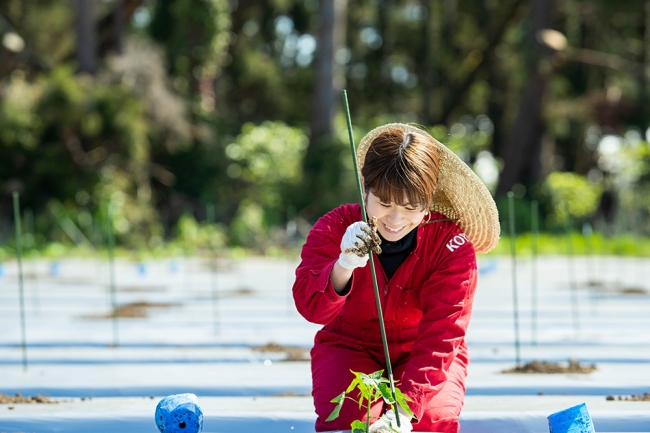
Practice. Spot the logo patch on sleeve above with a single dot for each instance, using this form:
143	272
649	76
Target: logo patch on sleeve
457	242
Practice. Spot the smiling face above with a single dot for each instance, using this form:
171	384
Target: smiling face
394	221
400	176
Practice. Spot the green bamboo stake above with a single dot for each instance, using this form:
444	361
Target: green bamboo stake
592	279
19	254
389	368
210	212
291	212
533	266
29	228
572	278
111	273
513	252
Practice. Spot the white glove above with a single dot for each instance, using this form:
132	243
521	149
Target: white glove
388	424
359	238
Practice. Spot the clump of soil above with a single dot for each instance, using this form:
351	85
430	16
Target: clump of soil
132	310
293	353
633	291
641	397
537	367
19	399
242	291
138	289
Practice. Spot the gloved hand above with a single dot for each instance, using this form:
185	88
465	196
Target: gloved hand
359	238
388	424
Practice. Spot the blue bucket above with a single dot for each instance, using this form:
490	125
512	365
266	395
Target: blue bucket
179	413
575	419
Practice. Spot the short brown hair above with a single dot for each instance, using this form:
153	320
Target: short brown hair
402	164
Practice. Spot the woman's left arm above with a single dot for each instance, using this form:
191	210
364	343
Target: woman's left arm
446	302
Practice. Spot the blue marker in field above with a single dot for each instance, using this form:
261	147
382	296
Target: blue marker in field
575	419
142	269
54	268
179	413
2	270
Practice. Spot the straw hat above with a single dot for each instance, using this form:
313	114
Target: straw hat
460	195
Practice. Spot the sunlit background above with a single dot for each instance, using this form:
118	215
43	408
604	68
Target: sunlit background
218	124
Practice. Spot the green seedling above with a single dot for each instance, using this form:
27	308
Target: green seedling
371	388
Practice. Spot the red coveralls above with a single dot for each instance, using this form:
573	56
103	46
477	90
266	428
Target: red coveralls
426	306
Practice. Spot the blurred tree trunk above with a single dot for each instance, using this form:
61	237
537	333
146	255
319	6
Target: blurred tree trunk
329	77
431	75
460	88
322	164
86	37
522	150
645	77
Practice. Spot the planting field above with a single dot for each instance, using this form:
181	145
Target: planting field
233	338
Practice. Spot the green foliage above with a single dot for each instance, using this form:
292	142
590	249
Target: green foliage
596	244
572	196
371	388
193	236
80	144
155	137
196	35
267	159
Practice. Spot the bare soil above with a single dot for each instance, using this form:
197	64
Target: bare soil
138	289
19	399
133	310
641	397
543	367
633	291
293	353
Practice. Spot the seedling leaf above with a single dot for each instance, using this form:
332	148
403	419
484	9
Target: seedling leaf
385	392
401	400
339	399
358	426
354	382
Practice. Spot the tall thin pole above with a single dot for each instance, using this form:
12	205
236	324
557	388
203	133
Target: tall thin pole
389	368
30	228
572	279
533	266
111	273
19	254
210	211
513	253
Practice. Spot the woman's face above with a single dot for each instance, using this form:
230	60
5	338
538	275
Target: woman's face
394	221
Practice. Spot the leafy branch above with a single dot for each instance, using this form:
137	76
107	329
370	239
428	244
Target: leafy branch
371	388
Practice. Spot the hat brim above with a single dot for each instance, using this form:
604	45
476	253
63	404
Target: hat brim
460	194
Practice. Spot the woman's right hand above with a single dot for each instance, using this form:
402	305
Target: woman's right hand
358	240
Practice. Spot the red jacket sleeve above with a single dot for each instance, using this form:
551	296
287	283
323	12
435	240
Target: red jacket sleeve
446	299
313	293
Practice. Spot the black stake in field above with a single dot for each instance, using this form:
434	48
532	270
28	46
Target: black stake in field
534	225
210	212
31	232
575	314
111	273
19	253
513	252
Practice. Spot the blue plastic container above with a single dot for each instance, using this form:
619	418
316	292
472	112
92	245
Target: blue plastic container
575	419
179	413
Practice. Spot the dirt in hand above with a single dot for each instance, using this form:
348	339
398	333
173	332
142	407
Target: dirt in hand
543	367
19	399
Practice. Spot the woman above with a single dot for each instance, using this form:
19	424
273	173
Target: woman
429	214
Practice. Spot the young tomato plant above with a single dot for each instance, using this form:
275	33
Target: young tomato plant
371	388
